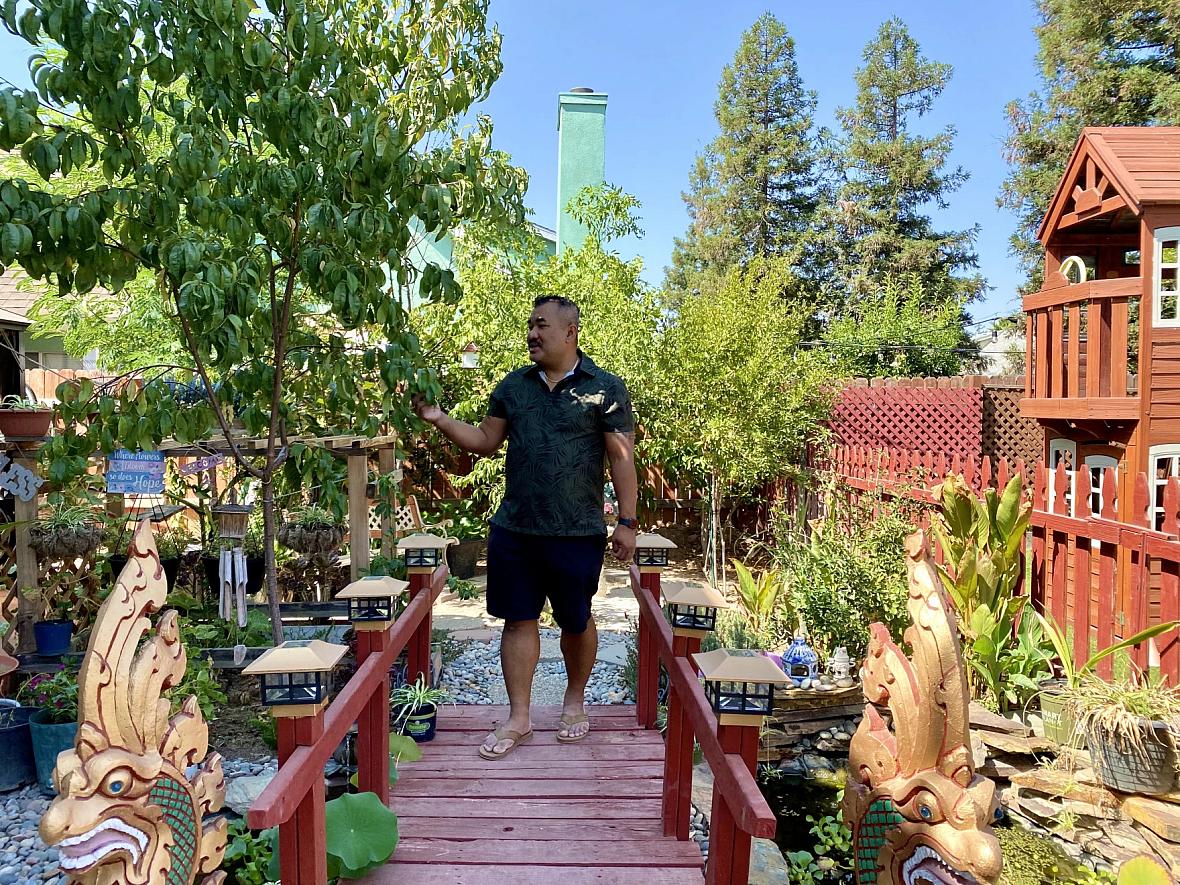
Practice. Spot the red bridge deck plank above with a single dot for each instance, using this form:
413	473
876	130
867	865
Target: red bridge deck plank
576	813
437	874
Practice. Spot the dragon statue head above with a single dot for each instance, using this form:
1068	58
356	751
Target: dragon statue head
917	809
134	792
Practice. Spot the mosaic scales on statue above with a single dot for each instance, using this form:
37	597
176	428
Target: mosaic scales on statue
134	792
917	809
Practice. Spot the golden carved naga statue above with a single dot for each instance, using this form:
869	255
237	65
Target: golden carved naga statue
917	809
134	792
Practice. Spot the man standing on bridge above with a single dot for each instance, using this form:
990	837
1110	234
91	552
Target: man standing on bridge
561	417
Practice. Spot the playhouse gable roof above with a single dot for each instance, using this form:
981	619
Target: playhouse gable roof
1113	168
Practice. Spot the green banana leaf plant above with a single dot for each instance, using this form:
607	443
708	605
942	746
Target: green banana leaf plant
757	595
1064	648
982	540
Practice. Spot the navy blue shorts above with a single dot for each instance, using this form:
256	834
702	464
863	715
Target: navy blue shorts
525	570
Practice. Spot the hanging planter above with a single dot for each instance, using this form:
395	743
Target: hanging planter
312	531
66	531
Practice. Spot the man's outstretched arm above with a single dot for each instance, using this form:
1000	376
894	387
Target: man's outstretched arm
482	440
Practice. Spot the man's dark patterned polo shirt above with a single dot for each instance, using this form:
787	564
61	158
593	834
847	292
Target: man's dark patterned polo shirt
556	452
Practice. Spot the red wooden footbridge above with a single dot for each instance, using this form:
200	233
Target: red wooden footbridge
612	808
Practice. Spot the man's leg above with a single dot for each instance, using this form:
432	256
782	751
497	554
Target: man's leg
520	649
580	651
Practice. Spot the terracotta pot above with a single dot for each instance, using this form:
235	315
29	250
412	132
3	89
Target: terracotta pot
26	422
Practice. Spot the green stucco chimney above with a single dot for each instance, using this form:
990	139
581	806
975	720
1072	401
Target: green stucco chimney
581	155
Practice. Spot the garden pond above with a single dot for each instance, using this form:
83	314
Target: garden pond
818	846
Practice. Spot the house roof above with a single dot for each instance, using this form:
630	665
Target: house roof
1140	164
16	299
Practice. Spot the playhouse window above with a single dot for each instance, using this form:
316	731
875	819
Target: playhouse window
1167	277
1096	466
1165	464
1062	451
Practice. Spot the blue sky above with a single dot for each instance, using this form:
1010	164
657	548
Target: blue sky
660	62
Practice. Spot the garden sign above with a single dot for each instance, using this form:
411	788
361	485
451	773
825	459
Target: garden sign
135	473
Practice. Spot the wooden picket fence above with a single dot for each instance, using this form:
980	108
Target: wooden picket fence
1102	575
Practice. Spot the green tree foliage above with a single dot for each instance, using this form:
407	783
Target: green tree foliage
298	142
740	399
754	189
1102	64
895	332
879	220
503	269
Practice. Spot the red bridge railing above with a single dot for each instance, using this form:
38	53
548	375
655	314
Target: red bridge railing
294	800
739	809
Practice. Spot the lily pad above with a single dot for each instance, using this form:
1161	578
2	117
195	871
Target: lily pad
362	834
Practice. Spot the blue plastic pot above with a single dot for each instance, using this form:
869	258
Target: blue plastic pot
53	637
16	748
49	738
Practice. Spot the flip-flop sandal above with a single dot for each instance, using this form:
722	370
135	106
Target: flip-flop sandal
567	723
506	734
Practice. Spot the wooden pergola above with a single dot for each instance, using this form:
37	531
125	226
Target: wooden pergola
21	612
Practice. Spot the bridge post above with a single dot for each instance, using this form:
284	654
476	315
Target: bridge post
729	846
678	747
647	683
418	648
372	739
303	841
651	558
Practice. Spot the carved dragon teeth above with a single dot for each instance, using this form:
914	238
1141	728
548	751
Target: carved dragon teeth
74	857
912	871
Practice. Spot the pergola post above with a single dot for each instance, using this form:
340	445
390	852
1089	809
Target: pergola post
358	513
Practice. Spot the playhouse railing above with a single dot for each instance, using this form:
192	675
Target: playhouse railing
294	801
739	810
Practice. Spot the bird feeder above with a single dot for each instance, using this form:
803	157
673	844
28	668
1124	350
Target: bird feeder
692	609
651	552
422	551
371	601
739	684
294	676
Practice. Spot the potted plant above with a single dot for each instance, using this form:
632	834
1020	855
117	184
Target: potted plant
1131	729
16	748
415	709
170	544
1054	694
462	521
313	531
53	635
54	726
65	531
21	417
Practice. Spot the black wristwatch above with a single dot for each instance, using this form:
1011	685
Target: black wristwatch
631	523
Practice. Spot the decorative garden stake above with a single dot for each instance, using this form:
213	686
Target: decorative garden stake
294	676
135	789
916	806
371	601
692	609
800	661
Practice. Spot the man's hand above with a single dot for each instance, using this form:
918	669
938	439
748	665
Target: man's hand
622	543
429	413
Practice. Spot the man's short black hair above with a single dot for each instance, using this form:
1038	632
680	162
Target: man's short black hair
567	306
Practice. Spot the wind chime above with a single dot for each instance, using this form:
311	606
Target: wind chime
231	568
